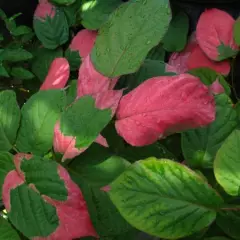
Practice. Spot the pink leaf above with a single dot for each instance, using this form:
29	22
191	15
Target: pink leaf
198	59
58	74
102	141
216	88
44	9
83	42
74	219
164	105
214	28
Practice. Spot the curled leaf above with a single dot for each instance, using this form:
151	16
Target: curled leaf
214	34
164	105
58	74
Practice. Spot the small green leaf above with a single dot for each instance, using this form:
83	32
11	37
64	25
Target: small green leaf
21	30
7	232
94	13
9	120
209	76
44	175
164	198
15	55
201	145
6	165
30	214
21	73
52	32
226	164
229	221
236	31
225	52
63	2
73	58
175	39
39	115
42	60
72	92
118	52
3	71
83	120
150	68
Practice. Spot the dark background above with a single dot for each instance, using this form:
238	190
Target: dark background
192	7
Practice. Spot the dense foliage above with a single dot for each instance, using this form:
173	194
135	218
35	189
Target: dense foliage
114	121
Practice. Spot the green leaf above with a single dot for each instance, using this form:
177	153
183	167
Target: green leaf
30	214
21	73
94	13
44	175
201	145
229	221
21	30
42	60
175	39
118	52
15	55
7	232
104	215
6	165
157	53
209	76
101	173
226	164
73	58
149	69
237	108
225	52
72	92
63	2
39	115
3	71
1	37
9	120
83	120
52	32
164	198
236	32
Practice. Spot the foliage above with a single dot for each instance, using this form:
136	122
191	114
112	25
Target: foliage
114	139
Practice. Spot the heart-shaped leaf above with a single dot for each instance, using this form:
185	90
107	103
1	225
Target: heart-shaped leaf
164	198
201	145
118	52
227	163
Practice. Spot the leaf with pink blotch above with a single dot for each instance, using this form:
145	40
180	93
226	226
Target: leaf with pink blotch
58	212
58	75
214	34
164	105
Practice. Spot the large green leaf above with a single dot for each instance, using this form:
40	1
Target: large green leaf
7	232
201	145
98	167
94	13
6	165
15	55
164	198
229	221
52	32
9	120
175	39
117	52
42	60
39	115
227	164
209	76
44	175
83	120
149	68
30	214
